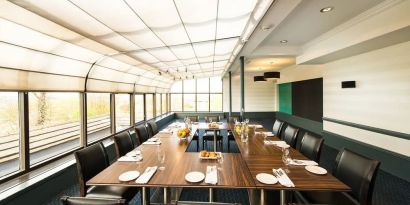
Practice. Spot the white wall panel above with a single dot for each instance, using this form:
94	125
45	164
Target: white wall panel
259	96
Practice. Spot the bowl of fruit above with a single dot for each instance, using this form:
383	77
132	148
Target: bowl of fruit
183	133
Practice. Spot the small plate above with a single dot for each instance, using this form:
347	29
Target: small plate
217	157
266	178
316	170
194	177
128	176
282	145
154	139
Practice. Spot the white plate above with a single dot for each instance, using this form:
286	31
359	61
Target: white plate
218	156
128	176
266	178
282	145
154	139
316	170
194	177
258	126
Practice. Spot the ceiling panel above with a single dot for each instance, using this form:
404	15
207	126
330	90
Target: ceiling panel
233	16
199	18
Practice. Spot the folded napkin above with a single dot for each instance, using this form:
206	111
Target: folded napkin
152	143
283	177
166	131
133	153
211	175
154	139
303	162
274	142
130	159
146	176
269	134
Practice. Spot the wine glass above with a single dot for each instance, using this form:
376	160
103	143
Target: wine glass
286	159
220	162
161	159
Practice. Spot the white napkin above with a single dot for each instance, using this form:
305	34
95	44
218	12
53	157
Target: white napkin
154	139
130	159
166	131
303	162
211	175
133	153
269	134
146	176
152	143
283	177
274	142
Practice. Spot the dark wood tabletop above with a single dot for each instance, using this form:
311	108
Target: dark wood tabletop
238	170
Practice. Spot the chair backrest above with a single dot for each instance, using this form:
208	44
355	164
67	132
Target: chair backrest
193	118
290	134
311	146
277	127
212	118
67	200
90	161
152	128
232	119
142	133
123	143
134	138
358	172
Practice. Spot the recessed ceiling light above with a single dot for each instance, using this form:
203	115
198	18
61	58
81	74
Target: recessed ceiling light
326	9
266	28
283	41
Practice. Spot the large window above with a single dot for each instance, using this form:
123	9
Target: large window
158	104
189	102
54	121
176	102
202	103
201	95
98	116
122	111
164	103
9	133
149	99
139	108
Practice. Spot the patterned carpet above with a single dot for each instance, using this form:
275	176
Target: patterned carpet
389	190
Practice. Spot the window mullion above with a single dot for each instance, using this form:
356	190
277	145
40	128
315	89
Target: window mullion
24	131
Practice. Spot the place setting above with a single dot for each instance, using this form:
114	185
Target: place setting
132	156
211	176
152	141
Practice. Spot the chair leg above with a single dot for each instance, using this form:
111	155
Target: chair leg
197	145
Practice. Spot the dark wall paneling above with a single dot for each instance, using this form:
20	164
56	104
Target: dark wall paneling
307	99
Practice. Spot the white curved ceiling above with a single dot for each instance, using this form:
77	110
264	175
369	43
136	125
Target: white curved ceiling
119	45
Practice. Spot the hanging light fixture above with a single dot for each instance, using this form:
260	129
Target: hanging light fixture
268	75
258	78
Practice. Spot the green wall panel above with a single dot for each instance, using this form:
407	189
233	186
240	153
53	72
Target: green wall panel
285	98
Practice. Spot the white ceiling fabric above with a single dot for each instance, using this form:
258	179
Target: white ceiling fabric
118	45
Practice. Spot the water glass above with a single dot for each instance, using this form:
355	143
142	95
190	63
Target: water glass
161	159
220	162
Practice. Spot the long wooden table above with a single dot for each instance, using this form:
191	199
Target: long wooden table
239	170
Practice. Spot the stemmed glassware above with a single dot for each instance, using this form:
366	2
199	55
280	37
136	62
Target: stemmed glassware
161	159
220	162
286	158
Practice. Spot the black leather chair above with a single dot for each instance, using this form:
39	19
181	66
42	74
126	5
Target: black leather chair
134	138
209	119
290	134
67	200
209	134
195	137
356	171
277	127
152	128
123	143
142	133
91	161
311	146
231	137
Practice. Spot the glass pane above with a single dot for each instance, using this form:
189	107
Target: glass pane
202	85
149	99
202	102
122	112
164	103
189	102
9	133
139	108
176	102
176	87
216	85
189	86
98	116
216	102
158	104
54	126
